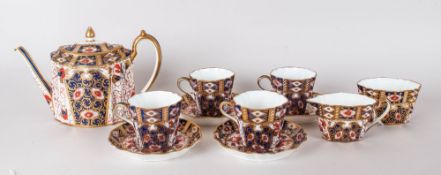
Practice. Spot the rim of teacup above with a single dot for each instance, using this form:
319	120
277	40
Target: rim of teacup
176	98
418	85
314	73
279	104
368	100
203	80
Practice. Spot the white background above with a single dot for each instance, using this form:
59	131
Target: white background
343	40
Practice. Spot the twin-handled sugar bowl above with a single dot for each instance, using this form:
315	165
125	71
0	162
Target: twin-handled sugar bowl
89	78
346	117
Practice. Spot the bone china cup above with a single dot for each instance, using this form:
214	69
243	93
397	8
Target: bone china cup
345	117
154	116
294	83
402	94
259	116
210	87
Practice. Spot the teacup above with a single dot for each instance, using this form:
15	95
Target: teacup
210	87
345	117
259	116
402	94
154	116
294	83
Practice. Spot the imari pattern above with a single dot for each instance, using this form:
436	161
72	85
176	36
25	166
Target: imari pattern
158	126
209	95
261	129
402	104
85	97
124	138
342	130
342	123
291	137
90	54
297	92
87	92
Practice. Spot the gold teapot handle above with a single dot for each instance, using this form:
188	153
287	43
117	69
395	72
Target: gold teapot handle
155	42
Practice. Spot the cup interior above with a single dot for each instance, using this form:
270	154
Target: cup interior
389	84
154	99
211	74
293	73
260	99
343	99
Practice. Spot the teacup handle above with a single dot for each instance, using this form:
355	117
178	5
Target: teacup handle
378	119
119	111
234	118
190	94
259	82
225	113
179	83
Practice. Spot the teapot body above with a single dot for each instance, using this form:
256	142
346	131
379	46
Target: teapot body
85	96
88	79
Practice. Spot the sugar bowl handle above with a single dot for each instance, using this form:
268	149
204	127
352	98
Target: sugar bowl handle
155	42
378	119
259	82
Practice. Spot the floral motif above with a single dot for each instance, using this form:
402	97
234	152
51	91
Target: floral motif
342	131
292	135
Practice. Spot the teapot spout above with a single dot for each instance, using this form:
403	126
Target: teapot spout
44	85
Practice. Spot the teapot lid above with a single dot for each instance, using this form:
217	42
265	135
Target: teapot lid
90	53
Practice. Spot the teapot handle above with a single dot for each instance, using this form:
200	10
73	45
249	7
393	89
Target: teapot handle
155	42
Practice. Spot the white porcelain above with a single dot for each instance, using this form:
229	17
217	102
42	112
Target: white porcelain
343	99
389	84
260	157
260	99
211	74
293	73
154	99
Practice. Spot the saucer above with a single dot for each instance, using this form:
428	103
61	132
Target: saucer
188	111
123	138
302	119
228	137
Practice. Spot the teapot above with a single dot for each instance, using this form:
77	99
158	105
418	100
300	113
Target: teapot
90	78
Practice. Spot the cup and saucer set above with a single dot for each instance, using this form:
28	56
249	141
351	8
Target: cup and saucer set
92	85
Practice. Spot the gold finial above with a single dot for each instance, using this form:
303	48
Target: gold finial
90	34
